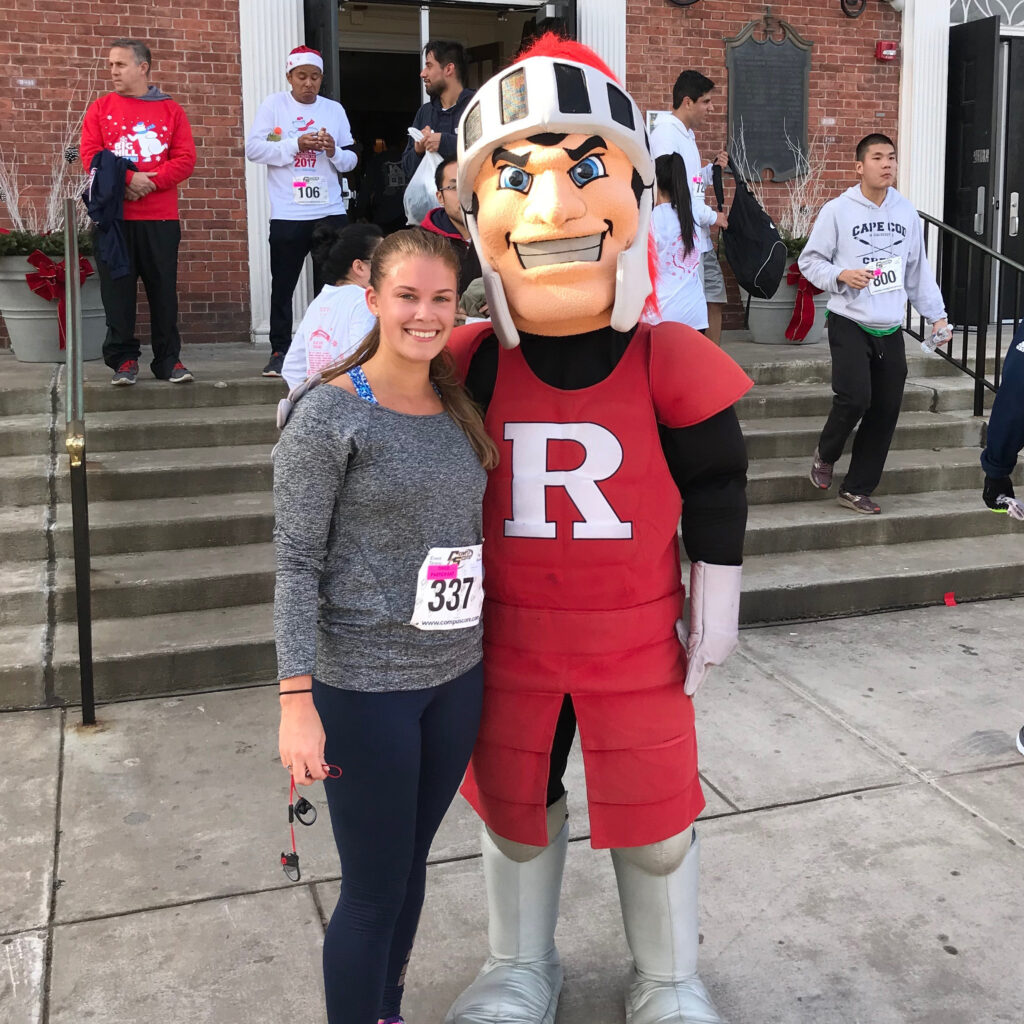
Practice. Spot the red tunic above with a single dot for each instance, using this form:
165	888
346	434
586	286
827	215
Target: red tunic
583	588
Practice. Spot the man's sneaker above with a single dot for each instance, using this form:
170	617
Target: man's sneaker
273	368
997	487
821	472
126	373
859	503
180	374
1020	740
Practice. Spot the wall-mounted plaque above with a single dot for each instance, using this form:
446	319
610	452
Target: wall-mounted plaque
769	66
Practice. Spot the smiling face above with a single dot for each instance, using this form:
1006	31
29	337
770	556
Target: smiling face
554	213
415	304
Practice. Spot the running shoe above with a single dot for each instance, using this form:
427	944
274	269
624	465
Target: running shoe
859	503
126	373
821	472
997	487
1020	740
180	374
273	368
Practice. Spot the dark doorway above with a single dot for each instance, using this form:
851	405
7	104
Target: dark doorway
380	93
971	127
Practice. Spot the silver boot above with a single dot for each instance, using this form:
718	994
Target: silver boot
521	980
659	913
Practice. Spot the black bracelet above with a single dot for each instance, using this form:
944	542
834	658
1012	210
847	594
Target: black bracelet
284	693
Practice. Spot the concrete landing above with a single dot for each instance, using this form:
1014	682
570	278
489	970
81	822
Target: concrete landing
863	847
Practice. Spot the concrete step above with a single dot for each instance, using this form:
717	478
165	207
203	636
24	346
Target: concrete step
772	438
133	430
23	480
855	581
173	472
937	394
153	654
22	533
771	481
906	518
22	593
204	393
160	582
154	524
21	666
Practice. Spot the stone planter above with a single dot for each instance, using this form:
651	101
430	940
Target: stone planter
32	320
769	318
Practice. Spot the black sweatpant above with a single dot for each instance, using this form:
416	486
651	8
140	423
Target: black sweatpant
402	757
153	250
290	242
868	374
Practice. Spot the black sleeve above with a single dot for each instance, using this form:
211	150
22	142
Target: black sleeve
708	462
483	372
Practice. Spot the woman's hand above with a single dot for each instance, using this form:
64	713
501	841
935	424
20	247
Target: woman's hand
301	737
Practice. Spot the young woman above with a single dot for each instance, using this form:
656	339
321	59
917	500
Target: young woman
378	482
678	288
337	319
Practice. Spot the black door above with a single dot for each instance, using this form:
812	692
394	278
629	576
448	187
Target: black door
321	24
970	169
1011	207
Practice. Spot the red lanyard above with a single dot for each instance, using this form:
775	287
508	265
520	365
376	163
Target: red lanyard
306	813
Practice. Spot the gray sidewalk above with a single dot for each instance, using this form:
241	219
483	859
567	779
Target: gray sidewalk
862	848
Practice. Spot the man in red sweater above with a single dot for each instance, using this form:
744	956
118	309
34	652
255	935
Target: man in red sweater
145	126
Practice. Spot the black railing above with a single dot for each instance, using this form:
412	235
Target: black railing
969	274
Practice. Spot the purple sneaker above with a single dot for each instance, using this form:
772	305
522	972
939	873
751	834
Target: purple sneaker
821	472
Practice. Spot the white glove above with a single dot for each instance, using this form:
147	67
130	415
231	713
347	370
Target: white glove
714	619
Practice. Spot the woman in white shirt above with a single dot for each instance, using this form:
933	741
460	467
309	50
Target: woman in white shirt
337	319
678	288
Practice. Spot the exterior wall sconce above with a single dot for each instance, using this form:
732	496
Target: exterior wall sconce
853	8
683	3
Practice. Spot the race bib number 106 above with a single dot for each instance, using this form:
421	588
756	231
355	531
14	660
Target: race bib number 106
449	589
309	190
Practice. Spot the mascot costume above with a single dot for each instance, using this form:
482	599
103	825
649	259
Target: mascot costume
608	433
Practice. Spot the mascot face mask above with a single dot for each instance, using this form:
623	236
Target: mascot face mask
556	180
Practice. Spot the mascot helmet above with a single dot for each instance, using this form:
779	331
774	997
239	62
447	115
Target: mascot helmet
558	86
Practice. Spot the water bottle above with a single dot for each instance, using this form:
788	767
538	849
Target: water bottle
938	338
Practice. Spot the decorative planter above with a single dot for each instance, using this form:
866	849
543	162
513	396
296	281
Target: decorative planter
32	320
769	318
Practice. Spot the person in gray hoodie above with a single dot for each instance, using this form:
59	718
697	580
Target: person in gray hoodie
866	250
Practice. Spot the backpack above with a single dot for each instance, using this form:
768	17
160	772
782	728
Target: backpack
753	247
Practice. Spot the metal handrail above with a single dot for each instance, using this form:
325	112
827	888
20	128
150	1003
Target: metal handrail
74	442
971	319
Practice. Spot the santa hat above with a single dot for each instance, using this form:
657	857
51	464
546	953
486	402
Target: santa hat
304	55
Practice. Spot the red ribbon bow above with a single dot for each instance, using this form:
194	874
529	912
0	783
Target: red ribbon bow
47	280
803	309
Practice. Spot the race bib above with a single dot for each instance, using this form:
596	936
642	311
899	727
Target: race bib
449	589
887	275
699	188
309	190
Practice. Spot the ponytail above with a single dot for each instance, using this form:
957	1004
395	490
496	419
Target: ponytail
670	174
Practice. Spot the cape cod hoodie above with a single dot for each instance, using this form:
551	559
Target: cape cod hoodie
850	233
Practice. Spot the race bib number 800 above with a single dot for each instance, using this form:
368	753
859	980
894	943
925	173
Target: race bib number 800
887	275
449	589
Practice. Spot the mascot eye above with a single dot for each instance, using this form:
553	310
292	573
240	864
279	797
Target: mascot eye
590	168
515	178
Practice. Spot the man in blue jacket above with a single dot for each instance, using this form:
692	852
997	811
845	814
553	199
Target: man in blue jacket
444	71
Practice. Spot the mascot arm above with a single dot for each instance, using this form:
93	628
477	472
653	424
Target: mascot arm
708	462
474	348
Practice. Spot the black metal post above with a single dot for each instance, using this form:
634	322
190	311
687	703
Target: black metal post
981	344
74	441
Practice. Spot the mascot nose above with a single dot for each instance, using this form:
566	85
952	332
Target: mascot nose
553	200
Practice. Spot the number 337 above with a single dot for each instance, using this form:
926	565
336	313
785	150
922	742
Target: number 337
450	594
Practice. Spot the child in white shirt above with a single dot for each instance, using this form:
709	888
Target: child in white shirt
337	319
678	288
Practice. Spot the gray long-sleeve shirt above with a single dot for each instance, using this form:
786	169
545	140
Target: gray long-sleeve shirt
361	493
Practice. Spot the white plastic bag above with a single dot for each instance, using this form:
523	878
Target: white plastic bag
421	192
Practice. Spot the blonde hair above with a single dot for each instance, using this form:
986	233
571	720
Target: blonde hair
454	397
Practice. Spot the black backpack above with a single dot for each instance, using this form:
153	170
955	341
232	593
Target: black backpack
753	247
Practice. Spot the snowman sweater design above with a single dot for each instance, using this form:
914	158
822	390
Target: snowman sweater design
155	135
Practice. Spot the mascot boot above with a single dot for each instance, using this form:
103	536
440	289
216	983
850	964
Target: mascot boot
521	979
659	912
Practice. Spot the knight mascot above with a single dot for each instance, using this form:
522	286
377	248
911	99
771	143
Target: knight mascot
610	434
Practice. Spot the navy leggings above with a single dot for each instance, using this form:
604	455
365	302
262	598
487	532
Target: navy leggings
1005	436
402	756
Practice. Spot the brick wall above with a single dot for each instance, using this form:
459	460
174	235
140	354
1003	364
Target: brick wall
847	84
196	60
